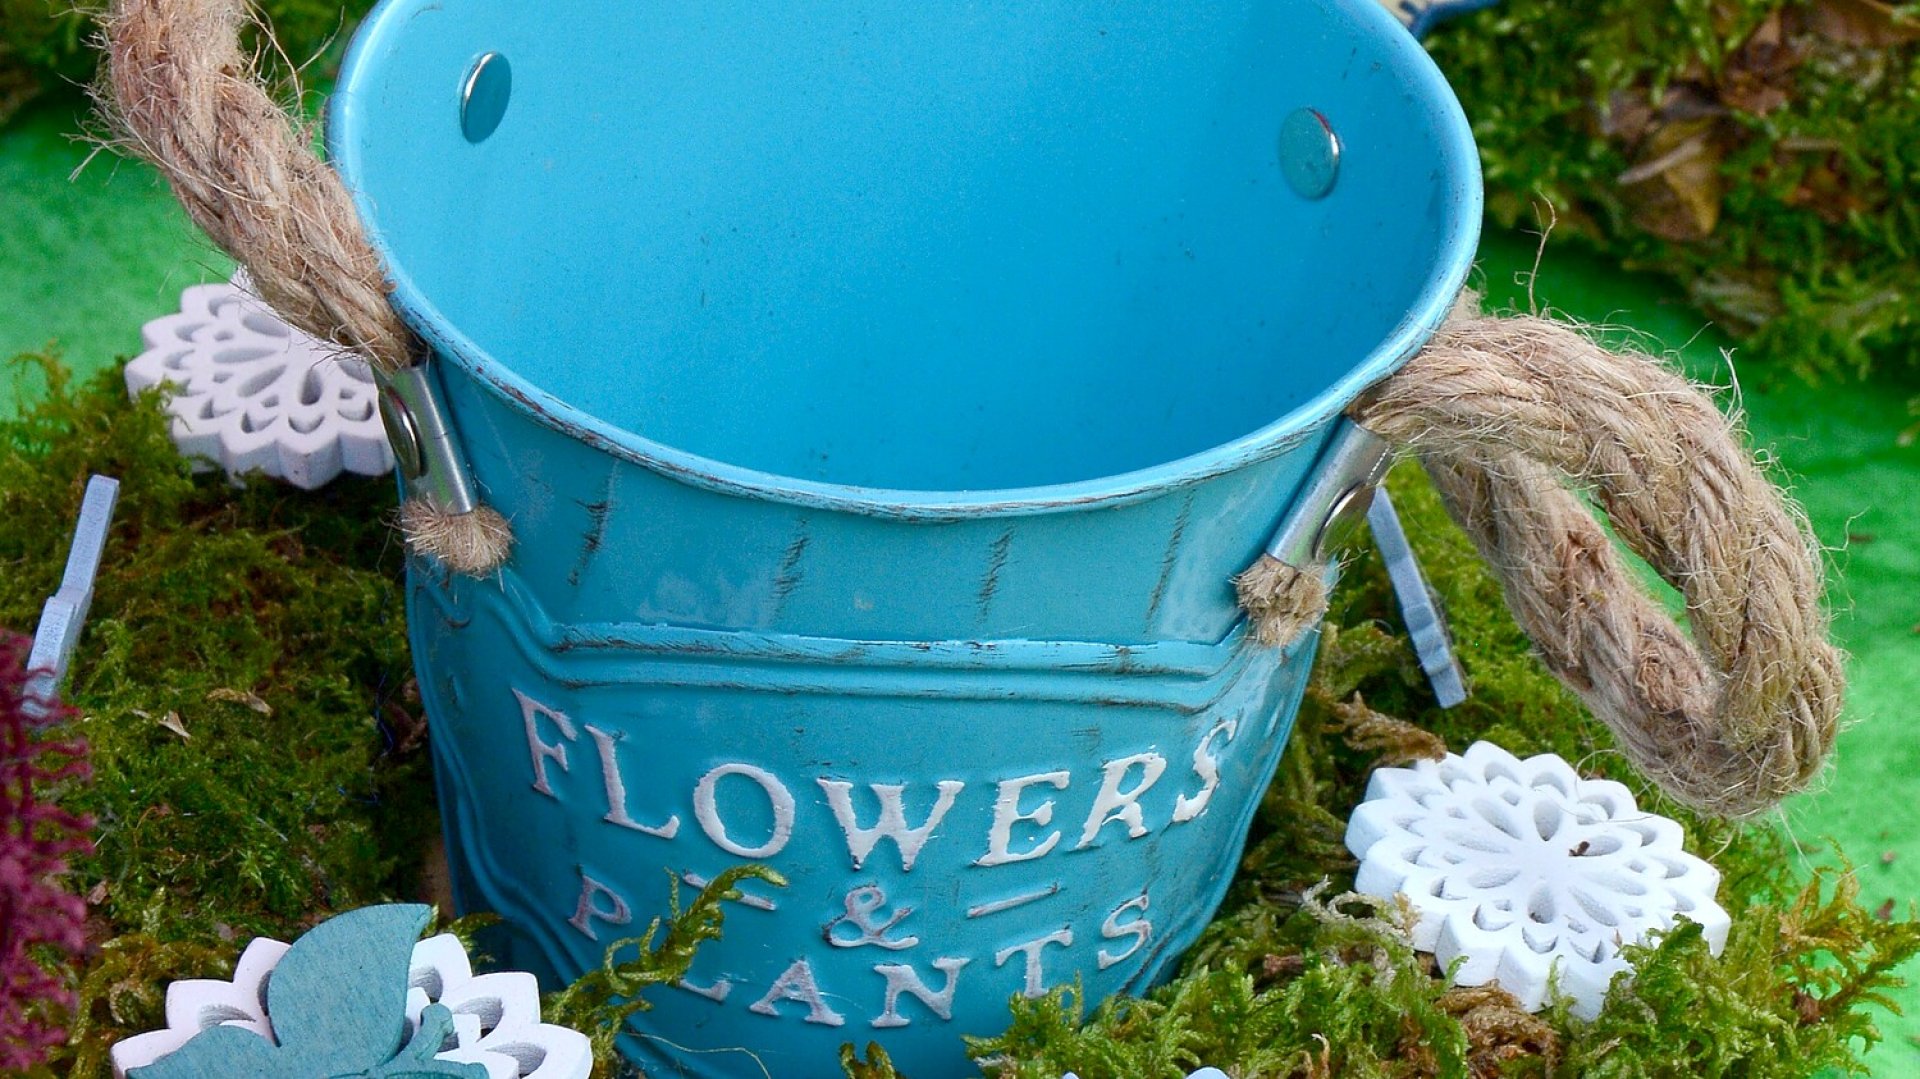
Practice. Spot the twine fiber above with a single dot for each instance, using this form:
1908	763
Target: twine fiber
1282	600
179	92
1510	415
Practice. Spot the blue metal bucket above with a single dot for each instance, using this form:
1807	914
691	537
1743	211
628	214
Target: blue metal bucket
883	395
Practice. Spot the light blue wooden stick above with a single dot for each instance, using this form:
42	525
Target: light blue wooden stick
66	611
1425	624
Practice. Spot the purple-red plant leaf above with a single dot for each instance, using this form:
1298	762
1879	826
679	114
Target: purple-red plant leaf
40	921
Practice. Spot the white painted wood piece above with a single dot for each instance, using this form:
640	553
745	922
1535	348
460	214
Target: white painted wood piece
65	612
1528	872
253	394
1426	622
496	1016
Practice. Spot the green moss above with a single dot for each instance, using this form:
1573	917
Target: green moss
1323	993
123	992
1357	1004
600	1002
1783	999
46	45
242	679
1761	152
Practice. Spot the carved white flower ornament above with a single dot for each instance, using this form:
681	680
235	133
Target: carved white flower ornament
1522	868
480	1025
252	394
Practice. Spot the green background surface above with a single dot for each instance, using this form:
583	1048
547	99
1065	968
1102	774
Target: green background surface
90	249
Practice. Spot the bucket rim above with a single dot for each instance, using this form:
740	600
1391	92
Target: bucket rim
1459	238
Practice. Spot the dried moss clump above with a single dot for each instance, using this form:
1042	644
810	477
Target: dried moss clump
242	686
1762	152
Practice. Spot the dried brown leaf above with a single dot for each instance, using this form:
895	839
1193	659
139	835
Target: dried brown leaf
1863	24
1283	966
1628	117
1759	77
243	697
1691	101
1685	158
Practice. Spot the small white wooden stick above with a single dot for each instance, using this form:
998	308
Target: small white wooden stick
65	613
1426	623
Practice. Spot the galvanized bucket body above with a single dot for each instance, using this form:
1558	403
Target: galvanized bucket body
882	396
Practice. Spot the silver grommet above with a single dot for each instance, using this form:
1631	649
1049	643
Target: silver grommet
1309	153
402	435
1326	512
421	434
483	98
1342	525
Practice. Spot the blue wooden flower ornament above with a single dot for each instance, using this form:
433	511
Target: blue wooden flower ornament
339	1006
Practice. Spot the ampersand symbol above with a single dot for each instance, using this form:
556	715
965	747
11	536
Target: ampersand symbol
863	905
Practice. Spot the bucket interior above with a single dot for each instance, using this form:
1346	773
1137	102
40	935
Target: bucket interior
909	245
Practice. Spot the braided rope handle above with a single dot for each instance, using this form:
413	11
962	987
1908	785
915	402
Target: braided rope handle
1511	416
179	92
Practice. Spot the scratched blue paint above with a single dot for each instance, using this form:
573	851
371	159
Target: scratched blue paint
883	394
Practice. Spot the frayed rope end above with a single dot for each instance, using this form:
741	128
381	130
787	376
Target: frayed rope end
1282	602
473	543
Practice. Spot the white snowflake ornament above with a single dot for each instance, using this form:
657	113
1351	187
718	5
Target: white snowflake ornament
253	394
496	1017
1526	872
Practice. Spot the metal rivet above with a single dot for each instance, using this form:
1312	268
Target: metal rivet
483	100
1309	153
1343	522
402	435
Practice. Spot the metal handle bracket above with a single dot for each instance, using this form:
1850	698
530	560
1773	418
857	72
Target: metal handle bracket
1325	520
1327	515
423	446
